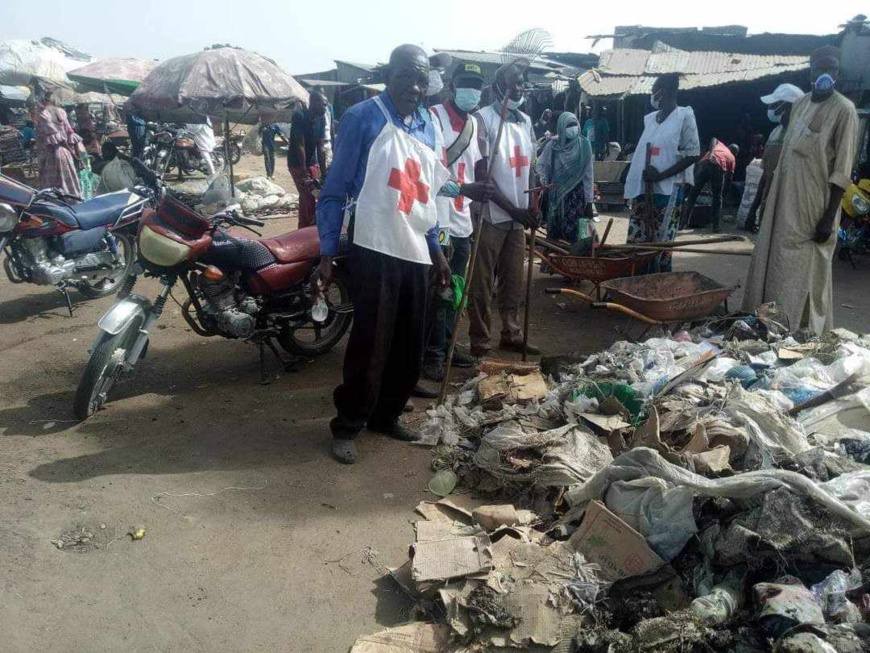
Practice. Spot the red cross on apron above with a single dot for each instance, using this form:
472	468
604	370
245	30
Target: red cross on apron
459	201
410	187
518	161
655	151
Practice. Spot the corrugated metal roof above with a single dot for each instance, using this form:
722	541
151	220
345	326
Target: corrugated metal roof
664	59
498	58
599	85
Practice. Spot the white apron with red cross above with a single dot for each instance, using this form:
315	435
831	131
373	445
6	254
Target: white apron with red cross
511	165
396	206
456	212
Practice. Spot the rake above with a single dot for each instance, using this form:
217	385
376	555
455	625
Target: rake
521	51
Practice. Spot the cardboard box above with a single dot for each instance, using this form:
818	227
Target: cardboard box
620	551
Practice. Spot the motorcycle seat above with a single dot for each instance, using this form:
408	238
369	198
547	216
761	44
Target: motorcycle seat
98	212
300	245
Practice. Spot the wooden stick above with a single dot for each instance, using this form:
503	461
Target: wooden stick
606	233
528	295
652	247
684	243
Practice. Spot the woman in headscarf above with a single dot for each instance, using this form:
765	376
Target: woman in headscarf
661	164
56	141
567	162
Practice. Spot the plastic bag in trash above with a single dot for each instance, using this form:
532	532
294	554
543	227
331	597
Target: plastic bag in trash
830	594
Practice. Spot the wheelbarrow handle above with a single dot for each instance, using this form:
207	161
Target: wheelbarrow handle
568	291
619	308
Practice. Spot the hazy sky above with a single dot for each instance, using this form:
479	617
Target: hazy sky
306	37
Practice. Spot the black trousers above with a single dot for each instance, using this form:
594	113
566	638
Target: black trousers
707	172
269	159
385	351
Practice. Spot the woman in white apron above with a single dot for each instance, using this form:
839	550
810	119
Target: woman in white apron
670	138
391	252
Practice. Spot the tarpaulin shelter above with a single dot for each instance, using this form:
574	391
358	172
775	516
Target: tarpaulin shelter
46	58
228	83
118	76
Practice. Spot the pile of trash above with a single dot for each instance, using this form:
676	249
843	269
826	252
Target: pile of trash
256	196
708	491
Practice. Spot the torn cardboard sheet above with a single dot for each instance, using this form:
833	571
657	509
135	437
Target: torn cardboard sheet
606	540
539	621
452	558
402	576
433	512
412	638
432	531
606	422
496	389
463	504
492	517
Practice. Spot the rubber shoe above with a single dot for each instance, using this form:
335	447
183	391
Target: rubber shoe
462	360
433	371
397	431
481	352
344	451
518	347
422	393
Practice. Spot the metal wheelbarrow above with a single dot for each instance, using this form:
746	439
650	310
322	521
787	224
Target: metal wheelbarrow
659	299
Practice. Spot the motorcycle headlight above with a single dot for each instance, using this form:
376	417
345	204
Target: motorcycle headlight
8	218
859	203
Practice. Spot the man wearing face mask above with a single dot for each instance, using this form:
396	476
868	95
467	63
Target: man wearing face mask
502	239
791	263
464	159
386	171
779	112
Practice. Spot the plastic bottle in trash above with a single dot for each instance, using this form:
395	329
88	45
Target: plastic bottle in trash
320	310
720	605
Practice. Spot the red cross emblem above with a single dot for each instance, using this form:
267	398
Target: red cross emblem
518	161
410	187
459	201
655	151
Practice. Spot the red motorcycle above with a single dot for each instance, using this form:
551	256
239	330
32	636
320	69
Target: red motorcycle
237	287
54	239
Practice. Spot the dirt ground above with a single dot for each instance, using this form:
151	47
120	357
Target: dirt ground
255	540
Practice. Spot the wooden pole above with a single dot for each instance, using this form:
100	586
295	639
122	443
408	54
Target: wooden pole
227	154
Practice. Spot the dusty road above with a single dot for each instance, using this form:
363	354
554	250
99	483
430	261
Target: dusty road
255	539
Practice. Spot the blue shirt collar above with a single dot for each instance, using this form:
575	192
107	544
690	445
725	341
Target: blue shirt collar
419	119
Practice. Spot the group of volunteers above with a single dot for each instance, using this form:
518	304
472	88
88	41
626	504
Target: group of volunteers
413	187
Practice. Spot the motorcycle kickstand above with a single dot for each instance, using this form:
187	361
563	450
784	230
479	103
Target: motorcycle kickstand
64	290
288	363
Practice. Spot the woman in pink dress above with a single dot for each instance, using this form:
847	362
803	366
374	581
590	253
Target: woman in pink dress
56	141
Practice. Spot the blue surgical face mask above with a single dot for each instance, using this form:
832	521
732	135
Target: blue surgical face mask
824	83
572	132
467	98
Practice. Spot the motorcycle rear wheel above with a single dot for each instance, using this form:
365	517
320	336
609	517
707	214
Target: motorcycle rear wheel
103	370
110	284
235	153
313	339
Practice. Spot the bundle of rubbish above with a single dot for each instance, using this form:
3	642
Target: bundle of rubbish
707	491
256	196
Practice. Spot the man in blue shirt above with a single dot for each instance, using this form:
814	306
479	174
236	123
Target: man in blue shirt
387	170
268	132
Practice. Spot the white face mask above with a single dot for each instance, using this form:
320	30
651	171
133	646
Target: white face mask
773	116
515	104
572	132
654	101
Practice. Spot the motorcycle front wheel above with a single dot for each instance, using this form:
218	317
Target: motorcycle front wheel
96	288
316	338
104	369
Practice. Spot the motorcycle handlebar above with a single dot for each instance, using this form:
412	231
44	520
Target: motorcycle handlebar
249	221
